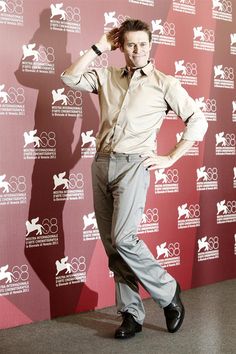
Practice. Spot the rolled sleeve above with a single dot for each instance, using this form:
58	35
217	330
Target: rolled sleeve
196	127
89	81
185	107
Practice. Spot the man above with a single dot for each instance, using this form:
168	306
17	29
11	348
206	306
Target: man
134	101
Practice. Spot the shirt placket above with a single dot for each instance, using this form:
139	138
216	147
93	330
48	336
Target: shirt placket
123	116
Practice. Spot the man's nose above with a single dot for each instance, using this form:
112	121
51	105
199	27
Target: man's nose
136	48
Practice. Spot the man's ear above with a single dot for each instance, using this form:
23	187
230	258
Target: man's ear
121	48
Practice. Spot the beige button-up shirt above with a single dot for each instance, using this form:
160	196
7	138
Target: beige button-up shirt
132	109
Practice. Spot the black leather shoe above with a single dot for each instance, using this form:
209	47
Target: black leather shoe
128	327
174	312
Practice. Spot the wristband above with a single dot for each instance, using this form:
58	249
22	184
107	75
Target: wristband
96	50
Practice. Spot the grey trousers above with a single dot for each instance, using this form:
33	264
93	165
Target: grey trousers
120	184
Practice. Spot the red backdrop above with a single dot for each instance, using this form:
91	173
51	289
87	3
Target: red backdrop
52	262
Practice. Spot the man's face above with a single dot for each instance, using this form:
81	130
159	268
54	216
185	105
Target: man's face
136	49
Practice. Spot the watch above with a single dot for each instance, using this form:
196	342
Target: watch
96	50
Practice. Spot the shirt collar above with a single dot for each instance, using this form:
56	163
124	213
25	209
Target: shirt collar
146	70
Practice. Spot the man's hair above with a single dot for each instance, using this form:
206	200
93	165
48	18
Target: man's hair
132	25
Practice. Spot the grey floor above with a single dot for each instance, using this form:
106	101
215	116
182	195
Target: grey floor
209	328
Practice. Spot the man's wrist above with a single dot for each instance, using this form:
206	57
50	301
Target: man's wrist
103	47
172	159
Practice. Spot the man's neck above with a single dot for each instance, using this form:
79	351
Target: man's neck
131	69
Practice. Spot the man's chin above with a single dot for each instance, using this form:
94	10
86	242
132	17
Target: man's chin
140	63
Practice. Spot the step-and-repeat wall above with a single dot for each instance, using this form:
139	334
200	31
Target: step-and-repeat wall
52	262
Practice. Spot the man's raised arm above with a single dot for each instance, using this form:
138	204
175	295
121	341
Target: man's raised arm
75	75
108	42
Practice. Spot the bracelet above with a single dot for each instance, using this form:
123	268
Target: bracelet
96	50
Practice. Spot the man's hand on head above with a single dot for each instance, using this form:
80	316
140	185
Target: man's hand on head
109	41
113	38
